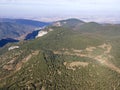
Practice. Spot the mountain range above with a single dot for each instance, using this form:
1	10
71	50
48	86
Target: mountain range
72	55
18	28
14	28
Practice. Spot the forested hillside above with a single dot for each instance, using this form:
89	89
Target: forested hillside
69	57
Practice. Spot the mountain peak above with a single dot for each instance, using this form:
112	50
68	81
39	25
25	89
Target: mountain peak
72	22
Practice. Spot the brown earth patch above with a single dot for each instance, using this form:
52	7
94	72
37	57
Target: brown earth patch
75	64
18	65
103	58
8	67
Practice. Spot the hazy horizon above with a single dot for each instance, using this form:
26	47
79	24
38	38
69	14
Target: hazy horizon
46	9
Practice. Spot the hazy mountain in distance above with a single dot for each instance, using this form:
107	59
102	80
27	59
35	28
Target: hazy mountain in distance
25	22
71	23
14	28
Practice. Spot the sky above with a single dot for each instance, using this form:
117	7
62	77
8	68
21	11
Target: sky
58	8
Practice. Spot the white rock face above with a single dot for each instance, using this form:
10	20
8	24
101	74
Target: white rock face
13	47
41	33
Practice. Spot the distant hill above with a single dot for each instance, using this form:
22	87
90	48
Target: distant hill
25	22
88	27
14	28
70	23
104	30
